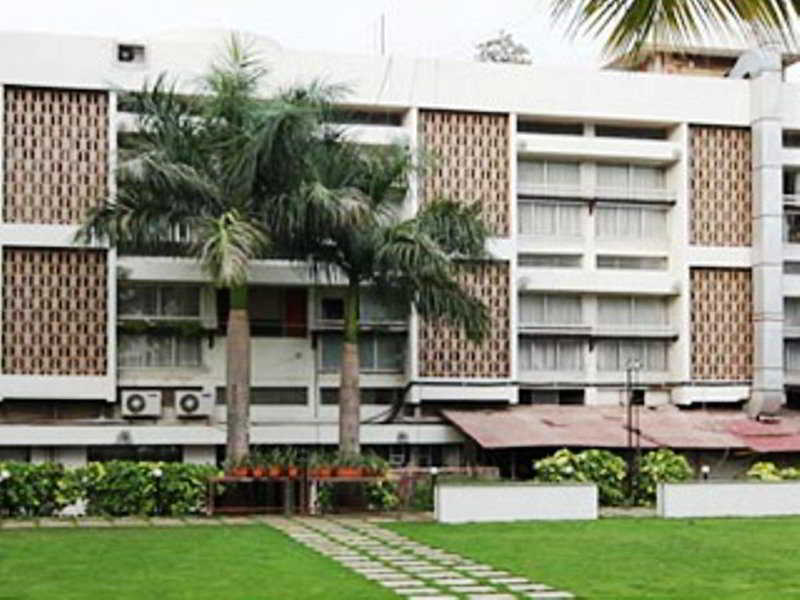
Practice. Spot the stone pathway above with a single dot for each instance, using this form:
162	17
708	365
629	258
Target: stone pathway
408	568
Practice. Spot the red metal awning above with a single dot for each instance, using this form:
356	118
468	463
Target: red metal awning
593	427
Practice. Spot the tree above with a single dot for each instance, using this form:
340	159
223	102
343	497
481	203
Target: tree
215	164
414	260
631	23
502	49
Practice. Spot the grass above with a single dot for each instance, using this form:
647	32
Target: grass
636	558
190	563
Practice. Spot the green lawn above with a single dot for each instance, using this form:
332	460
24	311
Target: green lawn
192	563
616	559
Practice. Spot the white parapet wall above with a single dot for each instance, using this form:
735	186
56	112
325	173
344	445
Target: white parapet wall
728	499
464	502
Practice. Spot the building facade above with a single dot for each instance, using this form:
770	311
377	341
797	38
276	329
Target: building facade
638	218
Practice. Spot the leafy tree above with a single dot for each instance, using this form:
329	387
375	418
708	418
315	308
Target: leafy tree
502	49
630	23
411	260
215	164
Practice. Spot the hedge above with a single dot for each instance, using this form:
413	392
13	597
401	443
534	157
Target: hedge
115	488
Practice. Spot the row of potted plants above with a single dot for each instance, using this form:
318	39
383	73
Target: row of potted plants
288	462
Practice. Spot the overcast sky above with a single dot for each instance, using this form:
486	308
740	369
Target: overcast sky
428	28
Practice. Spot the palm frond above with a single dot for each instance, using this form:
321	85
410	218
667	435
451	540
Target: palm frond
628	24
227	245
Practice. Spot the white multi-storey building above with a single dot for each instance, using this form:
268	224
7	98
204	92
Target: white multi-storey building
636	215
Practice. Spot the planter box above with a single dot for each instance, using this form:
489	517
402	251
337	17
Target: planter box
514	501
729	499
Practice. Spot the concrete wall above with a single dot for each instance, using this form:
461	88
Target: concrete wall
461	503
728	499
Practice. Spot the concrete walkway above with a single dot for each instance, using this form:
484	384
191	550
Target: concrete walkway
407	567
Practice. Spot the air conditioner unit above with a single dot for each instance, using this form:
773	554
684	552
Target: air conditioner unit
141	403
194	403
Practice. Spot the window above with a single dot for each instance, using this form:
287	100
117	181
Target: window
162	453
137	351
376	352
550	219
549	127
632	223
550	309
273	311
791	138
791	312
654	263
791	355
629	181
550	355
791	226
568	261
791	268
368	395
565	397
131	53
159	301
632	132
616	355
548	177
281	396
373	308
632	311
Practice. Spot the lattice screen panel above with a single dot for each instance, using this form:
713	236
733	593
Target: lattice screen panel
446	352
56	154
722	324
54	312
721	194
471	162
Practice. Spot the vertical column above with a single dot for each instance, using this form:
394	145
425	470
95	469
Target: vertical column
766	82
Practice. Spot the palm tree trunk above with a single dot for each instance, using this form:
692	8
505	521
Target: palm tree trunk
238	376
349	400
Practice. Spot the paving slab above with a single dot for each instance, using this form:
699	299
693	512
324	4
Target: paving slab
492	597
451	581
417	591
167	522
400	583
507	580
546	595
530	587
472	589
433	597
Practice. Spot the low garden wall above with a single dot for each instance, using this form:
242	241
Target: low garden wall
728	499
462	502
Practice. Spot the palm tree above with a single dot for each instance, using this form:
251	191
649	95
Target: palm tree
413	261
630	23
214	164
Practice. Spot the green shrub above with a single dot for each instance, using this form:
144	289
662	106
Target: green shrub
118	488
382	495
35	490
598	466
662	465
422	495
768	471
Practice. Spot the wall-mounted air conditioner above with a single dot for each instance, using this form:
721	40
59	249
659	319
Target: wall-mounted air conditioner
194	403
141	403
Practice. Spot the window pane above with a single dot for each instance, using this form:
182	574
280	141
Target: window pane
525	218
791	308
564	310
366	352
137	300
614	311
563	173
656	356
331	352
605	222
569	220
391	352
188	352
607	356
544	355
180	301
654	223
530	174
375	308
544	219
569	355
525	363
612	176
648	178
792	356
531	308
649	311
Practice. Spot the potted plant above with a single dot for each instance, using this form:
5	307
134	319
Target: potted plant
290	462
274	462
319	465
240	468
258	464
375	465
348	465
